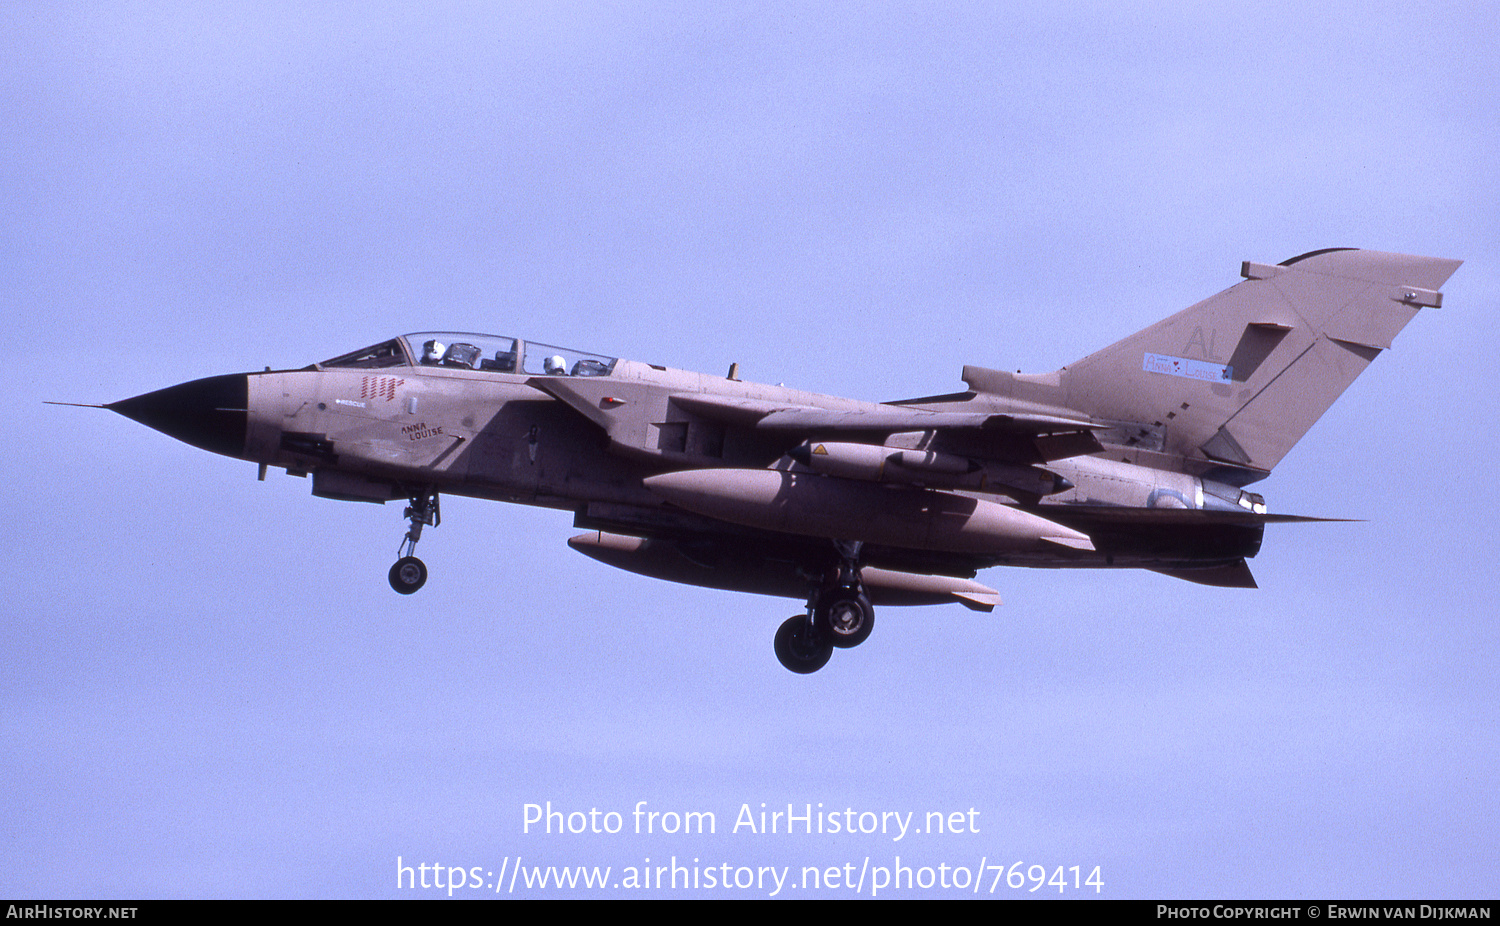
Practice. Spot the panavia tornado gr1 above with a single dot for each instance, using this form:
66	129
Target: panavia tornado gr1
1136	456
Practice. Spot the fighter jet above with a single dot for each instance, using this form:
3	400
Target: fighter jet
1136	456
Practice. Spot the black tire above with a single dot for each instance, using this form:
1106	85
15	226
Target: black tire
408	575
846	621
800	648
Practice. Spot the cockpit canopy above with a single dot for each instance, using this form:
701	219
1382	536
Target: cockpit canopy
484	352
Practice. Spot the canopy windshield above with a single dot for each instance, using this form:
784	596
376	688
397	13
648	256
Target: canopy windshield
484	352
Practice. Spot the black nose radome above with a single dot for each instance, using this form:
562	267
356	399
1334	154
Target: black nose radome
207	413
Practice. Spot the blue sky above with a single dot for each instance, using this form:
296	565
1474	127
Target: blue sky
210	691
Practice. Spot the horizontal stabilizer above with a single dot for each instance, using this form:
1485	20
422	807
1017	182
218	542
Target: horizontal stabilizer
1186	517
1230	575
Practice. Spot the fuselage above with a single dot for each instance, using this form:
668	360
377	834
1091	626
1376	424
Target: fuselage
598	436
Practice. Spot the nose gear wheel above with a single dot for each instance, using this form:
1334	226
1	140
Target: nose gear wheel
409	573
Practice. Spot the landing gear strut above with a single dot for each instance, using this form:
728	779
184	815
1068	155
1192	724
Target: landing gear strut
410	573
839	614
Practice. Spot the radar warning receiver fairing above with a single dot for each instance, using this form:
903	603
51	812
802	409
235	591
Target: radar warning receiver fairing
1136	456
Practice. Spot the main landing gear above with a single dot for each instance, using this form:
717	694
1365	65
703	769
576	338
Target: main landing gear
839	615
410	573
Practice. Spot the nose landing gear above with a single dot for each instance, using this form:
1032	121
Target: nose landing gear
410	573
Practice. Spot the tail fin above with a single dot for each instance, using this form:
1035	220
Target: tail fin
1238	378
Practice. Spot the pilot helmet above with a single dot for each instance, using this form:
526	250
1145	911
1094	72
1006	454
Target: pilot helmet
555	365
432	351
